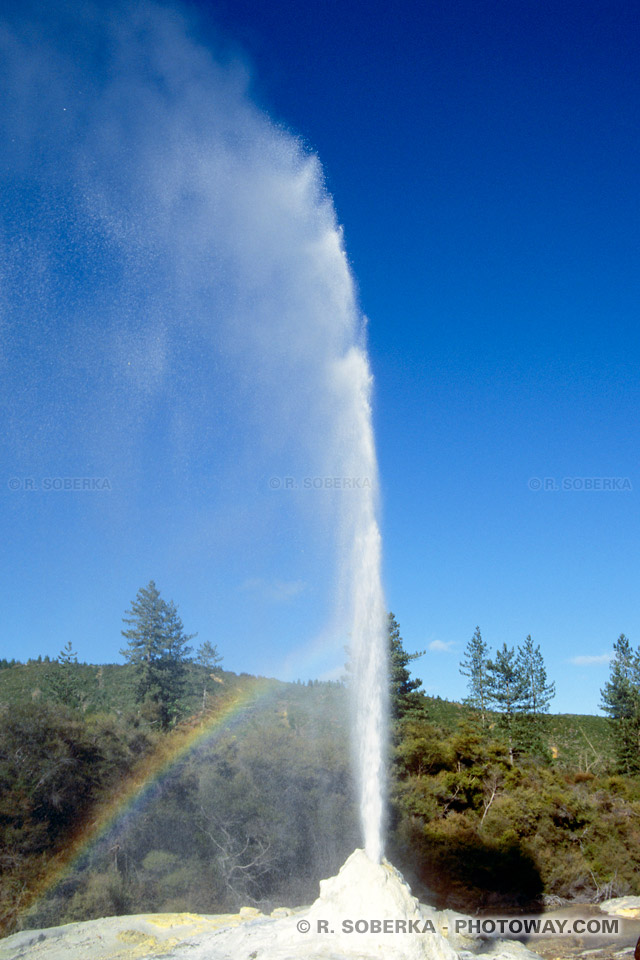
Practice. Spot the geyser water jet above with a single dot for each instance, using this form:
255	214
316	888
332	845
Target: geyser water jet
368	618
184	290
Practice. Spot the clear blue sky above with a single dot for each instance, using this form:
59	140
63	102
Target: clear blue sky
483	160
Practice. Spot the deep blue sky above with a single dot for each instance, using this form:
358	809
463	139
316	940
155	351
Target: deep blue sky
483	160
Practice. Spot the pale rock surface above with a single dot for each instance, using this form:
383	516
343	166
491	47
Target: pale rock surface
622	907
362	891
366	891
250	913
113	938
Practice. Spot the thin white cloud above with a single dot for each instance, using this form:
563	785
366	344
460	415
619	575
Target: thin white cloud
277	591
587	660
441	646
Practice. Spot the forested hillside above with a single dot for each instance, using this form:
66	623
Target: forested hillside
263	807
241	792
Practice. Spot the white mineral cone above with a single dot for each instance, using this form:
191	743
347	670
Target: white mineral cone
368	910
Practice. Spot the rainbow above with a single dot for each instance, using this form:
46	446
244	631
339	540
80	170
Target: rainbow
140	786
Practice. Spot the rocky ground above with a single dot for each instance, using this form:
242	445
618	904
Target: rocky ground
589	947
361	891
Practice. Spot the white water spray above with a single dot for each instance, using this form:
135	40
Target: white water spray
368	619
200	292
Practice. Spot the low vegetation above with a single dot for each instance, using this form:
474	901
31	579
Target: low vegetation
238	790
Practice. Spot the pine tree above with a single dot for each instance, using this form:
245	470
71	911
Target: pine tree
621	700
157	649
68	655
404	694
620	692
538	694
475	667
506	690
207	656
62	681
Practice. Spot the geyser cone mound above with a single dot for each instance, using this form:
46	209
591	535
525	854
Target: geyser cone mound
363	888
369	910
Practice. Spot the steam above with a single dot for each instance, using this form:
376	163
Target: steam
179	305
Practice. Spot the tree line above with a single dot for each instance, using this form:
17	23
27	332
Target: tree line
621	701
157	649
513	683
509	688
487	811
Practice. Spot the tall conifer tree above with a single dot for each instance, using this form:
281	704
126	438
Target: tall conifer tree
475	667
507	690
157	649
621	700
404	695
537	694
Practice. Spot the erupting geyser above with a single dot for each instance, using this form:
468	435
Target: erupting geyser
368	619
188	268
184	259
200	283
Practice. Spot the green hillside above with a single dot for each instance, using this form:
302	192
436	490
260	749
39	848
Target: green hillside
109	687
575	741
256	800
